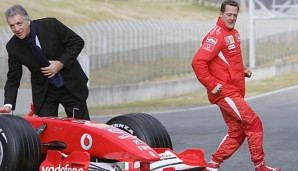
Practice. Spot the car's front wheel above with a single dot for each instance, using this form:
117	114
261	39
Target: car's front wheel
145	127
20	148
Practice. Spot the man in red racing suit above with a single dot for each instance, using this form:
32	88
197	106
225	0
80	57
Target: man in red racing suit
219	67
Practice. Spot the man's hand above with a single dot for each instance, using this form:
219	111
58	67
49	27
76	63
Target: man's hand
52	69
217	89
247	73
5	109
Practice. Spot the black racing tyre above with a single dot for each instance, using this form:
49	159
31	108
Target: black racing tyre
20	148
145	127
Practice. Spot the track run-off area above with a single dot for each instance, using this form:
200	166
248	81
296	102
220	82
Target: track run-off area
203	127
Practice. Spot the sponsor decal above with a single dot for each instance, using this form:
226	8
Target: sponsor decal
125	136
3	135
61	168
166	155
232	46
86	141
116	131
207	46
96	125
122	126
80	121
237	35
211	40
229	40
138	142
144	147
152	154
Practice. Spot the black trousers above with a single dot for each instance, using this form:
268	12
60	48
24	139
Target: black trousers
74	107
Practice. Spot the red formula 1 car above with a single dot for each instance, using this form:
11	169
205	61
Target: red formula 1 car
130	142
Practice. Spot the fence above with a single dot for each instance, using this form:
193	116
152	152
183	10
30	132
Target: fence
124	52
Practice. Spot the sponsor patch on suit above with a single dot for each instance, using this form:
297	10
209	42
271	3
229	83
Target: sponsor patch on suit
229	40
209	47
211	40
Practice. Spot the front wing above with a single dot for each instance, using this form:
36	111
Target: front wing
191	160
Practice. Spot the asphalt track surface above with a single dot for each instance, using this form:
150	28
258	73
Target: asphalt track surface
203	127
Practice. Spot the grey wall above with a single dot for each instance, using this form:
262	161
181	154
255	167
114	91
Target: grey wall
147	91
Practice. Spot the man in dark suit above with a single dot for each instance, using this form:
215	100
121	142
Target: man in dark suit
49	50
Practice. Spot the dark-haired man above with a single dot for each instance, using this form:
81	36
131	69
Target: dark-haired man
219	67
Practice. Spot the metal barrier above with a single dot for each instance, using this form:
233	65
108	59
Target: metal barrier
125	52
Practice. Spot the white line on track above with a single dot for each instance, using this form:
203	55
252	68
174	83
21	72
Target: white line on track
210	106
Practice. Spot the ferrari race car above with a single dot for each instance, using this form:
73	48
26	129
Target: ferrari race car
129	142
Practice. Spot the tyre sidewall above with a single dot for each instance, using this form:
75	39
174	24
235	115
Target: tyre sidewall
21	149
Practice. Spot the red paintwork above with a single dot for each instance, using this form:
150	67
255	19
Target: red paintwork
76	160
188	156
84	139
107	142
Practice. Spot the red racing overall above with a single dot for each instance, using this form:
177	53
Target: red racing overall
219	61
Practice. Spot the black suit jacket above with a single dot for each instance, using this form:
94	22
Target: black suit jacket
58	42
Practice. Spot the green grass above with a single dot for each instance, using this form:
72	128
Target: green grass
76	12
198	98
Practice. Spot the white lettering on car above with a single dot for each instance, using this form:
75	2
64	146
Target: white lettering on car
123	127
144	147
61	168
125	136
